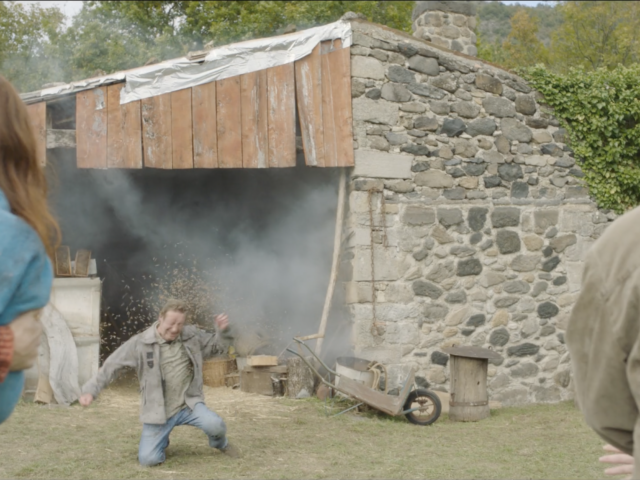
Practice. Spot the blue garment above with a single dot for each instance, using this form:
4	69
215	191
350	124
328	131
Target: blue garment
155	437
26	277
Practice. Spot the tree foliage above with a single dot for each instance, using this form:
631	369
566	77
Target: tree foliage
224	22
582	34
596	34
28	35
521	47
601	111
494	21
108	36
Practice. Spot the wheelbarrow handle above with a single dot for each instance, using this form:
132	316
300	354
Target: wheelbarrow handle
301	342
313	369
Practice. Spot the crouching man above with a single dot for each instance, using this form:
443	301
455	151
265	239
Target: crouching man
168	360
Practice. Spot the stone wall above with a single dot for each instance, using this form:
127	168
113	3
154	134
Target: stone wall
477	213
447	24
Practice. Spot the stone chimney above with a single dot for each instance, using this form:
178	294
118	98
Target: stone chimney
447	24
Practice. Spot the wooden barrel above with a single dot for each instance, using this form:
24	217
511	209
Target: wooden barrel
469	400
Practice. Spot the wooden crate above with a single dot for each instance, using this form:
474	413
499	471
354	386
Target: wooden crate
257	381
261	380
262	361
214	371
232	379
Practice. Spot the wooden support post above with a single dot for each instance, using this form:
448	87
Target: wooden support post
337	239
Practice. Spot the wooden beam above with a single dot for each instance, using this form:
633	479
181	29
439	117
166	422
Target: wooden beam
132	126
115	130
229	119
309	97
38	119
156	131
254	120
328	119
91	128
205	131
337	117
124	131
281	110
61	138
182	129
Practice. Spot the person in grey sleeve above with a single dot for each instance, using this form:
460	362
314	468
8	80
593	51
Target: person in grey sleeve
168	359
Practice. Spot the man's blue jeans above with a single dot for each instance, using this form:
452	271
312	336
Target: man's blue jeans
155	438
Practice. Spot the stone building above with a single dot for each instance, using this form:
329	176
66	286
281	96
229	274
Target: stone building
467	221
466	209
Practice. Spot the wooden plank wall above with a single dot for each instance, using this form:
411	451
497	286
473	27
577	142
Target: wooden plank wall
229	113
281	113
91	128
205	144
337	118
323	91
253	95
156	132
38	120
309	96
182	129
248	121
124	131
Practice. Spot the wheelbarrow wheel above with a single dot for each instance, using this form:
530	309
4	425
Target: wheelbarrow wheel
429	407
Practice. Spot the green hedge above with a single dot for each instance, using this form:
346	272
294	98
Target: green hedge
601	112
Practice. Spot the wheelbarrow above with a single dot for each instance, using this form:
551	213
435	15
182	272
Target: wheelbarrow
420	406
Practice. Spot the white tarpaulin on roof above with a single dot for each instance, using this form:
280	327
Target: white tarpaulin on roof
229	61
83	84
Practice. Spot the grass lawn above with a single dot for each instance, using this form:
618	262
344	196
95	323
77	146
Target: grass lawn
283	438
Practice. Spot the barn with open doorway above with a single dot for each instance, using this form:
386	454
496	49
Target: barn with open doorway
223	193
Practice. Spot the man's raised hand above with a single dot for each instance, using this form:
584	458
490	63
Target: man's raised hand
222	321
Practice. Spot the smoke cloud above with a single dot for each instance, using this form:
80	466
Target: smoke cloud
260	240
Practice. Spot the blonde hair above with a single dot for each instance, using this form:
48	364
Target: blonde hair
21	177
175	305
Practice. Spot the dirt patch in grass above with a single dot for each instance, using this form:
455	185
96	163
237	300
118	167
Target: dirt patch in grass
284	438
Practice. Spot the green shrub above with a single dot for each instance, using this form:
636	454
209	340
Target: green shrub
601	112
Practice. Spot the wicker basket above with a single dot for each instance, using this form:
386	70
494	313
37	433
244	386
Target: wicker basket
215	370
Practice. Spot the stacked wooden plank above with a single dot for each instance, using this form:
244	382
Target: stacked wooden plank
64	267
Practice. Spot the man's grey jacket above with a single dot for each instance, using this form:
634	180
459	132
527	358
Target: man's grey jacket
142	352
603	337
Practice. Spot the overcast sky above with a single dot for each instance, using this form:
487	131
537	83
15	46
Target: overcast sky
70	8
